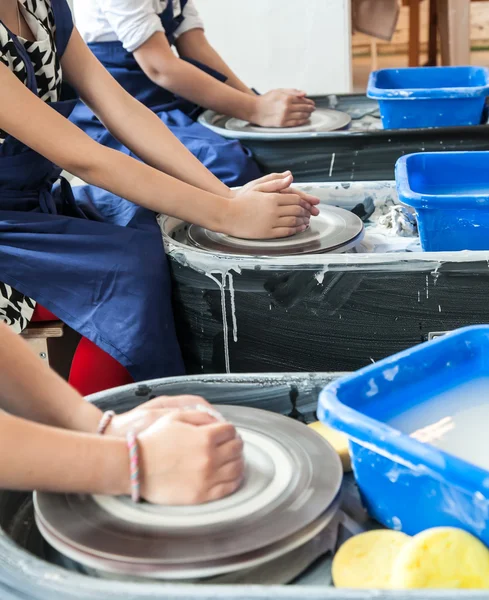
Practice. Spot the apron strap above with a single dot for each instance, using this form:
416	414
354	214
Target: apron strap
171	21
64	25
31	75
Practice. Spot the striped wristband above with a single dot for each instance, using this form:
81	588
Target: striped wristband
105	421
132	444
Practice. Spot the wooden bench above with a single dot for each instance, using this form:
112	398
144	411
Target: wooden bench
40	335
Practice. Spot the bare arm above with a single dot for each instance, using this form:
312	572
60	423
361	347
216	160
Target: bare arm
42	396
54	460
131	122
165	69
278	108
45	398
86	462
194	44
252	215
67	146
185	457
46	458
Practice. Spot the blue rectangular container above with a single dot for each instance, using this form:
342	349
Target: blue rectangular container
430	96
450	194
405	484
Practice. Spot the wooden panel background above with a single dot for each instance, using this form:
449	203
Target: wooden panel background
479	31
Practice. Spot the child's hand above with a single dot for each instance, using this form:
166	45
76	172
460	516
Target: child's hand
143	416
187	458
283	108
260	215
278	182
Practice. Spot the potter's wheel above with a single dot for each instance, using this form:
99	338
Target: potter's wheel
196	570
322	119
289	495
334	230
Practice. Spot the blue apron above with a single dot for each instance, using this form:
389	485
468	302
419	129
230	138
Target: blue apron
94	260
227	159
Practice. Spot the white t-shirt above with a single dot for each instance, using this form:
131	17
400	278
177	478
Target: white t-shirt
131	22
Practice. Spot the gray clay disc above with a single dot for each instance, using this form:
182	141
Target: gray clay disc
322	119
282	503
333	229
197	570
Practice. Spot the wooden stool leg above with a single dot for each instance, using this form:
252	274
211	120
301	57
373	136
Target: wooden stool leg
37	335
454	28
40	347
374	62
433	35
414	25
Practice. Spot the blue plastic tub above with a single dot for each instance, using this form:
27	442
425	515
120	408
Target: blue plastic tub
430	96
406	484
450	194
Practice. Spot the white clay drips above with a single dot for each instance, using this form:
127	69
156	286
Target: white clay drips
226	276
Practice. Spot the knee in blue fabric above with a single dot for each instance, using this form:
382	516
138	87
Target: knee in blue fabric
115	210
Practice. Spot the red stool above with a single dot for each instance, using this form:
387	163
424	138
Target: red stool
92	369
42	314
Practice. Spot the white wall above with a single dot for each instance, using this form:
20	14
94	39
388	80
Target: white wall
283	43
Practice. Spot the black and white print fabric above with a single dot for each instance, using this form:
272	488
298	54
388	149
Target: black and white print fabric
16	309
42	52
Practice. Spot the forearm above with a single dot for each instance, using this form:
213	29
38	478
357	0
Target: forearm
158	147
43	458
159	63
193	44
157	191
64	144
191	83
42	396
132	123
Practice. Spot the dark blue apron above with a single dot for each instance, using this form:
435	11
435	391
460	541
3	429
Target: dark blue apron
227	159
94	260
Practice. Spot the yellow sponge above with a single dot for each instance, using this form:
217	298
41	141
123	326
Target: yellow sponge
443	557
338	440
365	561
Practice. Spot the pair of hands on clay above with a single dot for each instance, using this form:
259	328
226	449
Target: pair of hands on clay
283	108
187	456
270	208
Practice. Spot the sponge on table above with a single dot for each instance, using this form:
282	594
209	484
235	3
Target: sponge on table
442	557
365	561
338	440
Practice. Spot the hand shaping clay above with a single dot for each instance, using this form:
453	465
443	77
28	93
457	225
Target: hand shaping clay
443	557
338	440
365	561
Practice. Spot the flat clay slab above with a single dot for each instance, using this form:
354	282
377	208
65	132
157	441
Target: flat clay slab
322	119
